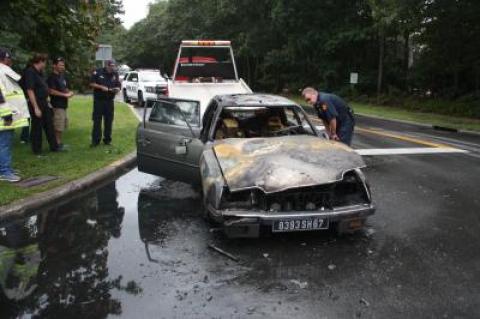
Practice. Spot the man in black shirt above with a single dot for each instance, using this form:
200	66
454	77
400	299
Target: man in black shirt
59	95
106	85
41	113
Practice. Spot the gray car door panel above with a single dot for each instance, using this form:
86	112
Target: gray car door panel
167	148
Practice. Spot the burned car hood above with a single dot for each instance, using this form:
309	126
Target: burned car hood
279	163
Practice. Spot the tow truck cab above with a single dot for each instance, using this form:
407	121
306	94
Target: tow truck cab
204	69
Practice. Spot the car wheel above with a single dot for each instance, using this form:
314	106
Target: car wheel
125	96
140	100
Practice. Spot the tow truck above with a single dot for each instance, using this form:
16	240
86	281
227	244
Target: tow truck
203	70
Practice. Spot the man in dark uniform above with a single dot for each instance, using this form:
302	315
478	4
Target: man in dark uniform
106	85
40	111
335	113
59	95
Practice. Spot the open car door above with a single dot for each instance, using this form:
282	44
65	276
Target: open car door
168	143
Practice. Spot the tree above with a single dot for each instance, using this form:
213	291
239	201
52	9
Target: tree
58	27
397	46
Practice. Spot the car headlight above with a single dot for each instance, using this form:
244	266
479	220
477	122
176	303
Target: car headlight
239	200
350	191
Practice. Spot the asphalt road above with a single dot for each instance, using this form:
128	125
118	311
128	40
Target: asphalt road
138	248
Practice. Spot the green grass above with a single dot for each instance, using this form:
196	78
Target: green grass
80	160
397	113
461	123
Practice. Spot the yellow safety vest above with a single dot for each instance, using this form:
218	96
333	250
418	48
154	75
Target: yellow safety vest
6	109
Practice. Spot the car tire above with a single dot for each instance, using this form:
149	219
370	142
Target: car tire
140	101
125	97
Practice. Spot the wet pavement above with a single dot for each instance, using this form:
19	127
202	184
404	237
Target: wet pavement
138	248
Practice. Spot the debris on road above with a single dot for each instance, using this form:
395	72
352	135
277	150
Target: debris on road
223	252
369	232
251	310
300	284
365	302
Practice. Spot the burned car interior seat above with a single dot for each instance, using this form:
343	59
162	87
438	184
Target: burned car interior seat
274	123
228	128
266	122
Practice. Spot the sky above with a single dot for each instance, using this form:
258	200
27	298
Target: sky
135	10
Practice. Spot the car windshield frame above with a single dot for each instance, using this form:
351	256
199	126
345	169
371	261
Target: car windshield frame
296	108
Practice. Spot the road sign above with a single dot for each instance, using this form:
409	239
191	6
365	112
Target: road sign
104	52
353	78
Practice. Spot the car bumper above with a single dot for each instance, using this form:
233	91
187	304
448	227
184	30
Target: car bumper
247	223
150	96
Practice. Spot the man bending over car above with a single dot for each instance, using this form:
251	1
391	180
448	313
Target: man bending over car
335	113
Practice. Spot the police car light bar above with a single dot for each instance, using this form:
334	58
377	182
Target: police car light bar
206	43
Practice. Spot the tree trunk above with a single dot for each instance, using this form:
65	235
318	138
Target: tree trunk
249	70
406	56
477	80
381	55
456	74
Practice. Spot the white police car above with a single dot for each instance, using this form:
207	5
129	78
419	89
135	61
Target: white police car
143	86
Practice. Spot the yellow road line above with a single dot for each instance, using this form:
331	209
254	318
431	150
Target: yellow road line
395	136
402	137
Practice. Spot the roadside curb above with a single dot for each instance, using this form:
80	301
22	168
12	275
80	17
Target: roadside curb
42	200
74	188
432	126
77	187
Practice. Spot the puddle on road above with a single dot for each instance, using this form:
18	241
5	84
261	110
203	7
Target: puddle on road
138	247
132	242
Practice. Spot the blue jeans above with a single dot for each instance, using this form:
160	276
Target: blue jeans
345	132
6	138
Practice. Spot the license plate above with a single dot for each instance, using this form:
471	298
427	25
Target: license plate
291	225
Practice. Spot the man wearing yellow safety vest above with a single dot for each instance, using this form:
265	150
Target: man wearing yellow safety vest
13	114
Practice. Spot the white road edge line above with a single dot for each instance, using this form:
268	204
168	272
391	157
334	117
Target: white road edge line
134	112
408	151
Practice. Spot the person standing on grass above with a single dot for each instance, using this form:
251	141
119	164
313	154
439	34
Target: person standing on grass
59	95
13	114
335	113
40	110
6	137
106	84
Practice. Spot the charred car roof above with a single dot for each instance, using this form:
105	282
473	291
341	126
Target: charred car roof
253	100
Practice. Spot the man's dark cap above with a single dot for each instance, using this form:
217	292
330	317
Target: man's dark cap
5	54
58	59
111	62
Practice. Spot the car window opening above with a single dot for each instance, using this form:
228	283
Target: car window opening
176	113
251	122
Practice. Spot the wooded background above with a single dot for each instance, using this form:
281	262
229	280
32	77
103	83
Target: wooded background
402	49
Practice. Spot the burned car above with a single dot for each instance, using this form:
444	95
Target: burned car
260	162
